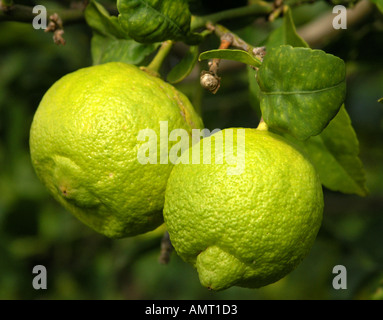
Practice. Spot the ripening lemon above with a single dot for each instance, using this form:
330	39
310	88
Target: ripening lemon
246	215
84	145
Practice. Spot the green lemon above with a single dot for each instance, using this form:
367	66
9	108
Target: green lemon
86	136
246	215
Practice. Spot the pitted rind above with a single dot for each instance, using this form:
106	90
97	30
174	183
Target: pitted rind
83	144
262	222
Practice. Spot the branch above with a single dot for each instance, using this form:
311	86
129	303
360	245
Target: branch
258	9
56	26
166	249
21	13
319	31
210	79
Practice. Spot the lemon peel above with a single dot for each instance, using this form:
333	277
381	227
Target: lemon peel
83	145
249	229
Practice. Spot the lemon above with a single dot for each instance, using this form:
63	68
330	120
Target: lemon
84	145
248	215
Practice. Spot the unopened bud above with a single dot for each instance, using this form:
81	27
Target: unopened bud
210	82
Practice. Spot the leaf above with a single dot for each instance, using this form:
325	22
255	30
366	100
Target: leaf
149	21
254	91
184	67
107	49
98	18
301	89
290	35
334	154
286	34
379	4
231	54
109	41
380	100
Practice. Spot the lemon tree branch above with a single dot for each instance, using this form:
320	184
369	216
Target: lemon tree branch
22	13
260	8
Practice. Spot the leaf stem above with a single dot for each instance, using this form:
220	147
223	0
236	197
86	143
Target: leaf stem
262	125
166	249
236	41
155	65
210	79
261	8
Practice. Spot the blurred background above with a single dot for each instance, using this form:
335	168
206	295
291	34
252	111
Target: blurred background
35	230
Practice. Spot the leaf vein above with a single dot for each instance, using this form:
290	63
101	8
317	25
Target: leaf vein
303	91
163	16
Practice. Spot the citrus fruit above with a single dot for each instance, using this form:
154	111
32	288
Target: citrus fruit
84	144
247	215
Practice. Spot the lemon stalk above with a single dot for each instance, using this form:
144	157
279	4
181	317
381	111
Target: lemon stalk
262	125
155	65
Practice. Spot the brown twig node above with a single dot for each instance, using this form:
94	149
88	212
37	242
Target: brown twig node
55	25
210	79
166	249
259	52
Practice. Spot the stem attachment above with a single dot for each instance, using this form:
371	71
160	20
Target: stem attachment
166	249
262	125
155	65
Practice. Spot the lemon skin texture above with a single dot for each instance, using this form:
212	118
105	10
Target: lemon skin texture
248	229
84	146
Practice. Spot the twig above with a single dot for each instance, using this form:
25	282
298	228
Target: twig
236	41
22	13
277	10
210	79
259	9
166	249
56	26
321	30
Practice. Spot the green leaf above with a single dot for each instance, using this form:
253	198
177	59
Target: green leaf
184	67
290	35
150	21
107	49
380	100
334	154
254	91
98	18
231	54
379	4
286	34
301	89
110	42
